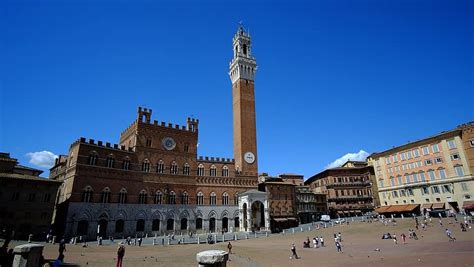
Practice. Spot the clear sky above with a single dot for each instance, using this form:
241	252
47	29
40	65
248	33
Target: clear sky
334	77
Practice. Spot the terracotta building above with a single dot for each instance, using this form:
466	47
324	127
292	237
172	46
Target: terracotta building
153	180
434	173
282	202
25	195
348	189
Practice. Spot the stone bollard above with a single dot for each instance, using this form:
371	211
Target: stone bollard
309	228
283	231
215	239
223	238
198	240
266	234
154	241
246	236
30	236
169	241
403	217
75	241
293	230
255	234
28	255
235	237
212	258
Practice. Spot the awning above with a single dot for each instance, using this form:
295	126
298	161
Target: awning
426	206
401	208
438	206
340	212
292	219
468	204
346	212
280	219
381	209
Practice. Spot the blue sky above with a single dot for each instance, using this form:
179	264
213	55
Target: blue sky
334	77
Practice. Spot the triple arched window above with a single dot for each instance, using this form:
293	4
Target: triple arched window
212	199
146	166
142	197
87	194
213	171
186	169
200	170
225	199
160	167
172	198
105	196
93	158
185	198
174	168
158	197
200	198
109	163
122	199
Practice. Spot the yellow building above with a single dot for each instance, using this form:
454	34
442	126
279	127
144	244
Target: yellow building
435	172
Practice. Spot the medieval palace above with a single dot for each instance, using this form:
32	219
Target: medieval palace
154	182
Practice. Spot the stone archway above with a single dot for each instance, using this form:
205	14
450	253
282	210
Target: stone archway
258	215
102	231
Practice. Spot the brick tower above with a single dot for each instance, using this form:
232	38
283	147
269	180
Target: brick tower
242	73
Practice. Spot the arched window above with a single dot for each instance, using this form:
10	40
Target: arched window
212	199
119	225
105	196
140	225
158	197
200	198
155	226
160	167
126	163
225	171
172	198
87	194
186	169
146	166
245	49
200	171
109	163
174	168
213	171
236	199
93	158
122	199
142	197
185	198
225	199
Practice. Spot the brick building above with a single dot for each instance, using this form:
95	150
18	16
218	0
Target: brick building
348	189
153	180
282	198
23	196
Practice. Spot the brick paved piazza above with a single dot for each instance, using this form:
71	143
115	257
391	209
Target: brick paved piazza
359	240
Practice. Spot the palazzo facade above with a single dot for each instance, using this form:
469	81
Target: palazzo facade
154	182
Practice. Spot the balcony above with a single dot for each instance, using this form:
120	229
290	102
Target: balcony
350	198
349	184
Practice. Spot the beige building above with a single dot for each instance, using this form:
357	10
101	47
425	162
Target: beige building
435	172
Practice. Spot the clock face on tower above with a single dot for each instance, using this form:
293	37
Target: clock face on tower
249	157
168	143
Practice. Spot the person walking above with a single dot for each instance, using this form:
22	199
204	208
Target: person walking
450	235
229	247
394	237
321	240
338	247
315	242
403	238
120	254
293	252
61	249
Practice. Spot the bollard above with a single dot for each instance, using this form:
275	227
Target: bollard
154	241
215	239
54	239
214	258
255	234
75	241
223	238
403	217
27	255
266	234
246	236
283	231
198	240
293	230
30	236
309	228
235	237
168	241
325	225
